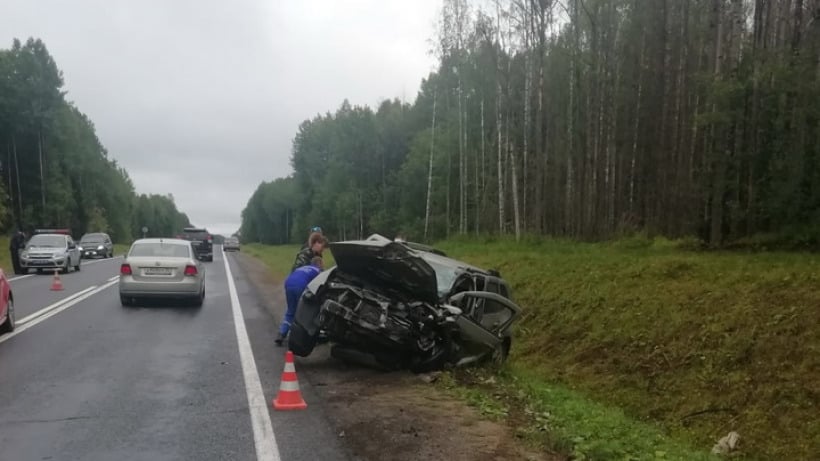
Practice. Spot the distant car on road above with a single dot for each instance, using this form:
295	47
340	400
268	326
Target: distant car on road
7	320
164	269
231	244
96	245
50	251
201	241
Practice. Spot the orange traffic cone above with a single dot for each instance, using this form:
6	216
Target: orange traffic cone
289	397
57	284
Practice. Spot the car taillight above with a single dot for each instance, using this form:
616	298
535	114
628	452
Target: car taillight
125	269
210	238
191	270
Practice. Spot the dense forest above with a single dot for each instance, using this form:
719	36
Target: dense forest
55	171
579	118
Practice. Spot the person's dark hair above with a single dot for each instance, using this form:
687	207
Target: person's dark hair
316	238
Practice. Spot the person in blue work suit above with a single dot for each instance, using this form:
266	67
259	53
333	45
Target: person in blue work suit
295	284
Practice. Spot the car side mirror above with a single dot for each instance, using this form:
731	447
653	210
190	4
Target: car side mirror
71	246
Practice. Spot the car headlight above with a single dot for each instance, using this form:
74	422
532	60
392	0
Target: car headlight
100	247
79	248
24	254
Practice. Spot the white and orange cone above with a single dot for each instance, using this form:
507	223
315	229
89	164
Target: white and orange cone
57	284
289	397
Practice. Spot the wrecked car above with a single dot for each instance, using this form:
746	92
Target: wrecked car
404	307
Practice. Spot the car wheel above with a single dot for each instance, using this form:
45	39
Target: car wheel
67	267
126	301
199	300
10	323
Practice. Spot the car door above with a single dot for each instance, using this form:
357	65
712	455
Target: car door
484	320
73	252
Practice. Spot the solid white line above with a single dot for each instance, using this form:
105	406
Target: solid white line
265	441
21	277
62	307
53	306
95	261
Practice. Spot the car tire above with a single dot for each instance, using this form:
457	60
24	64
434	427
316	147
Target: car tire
199	300
67	267
10	323
126	301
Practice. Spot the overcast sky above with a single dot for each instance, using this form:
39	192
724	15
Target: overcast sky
202	98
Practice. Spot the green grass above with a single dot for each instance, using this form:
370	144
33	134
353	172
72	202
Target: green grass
279	258
696	344
121	248
5	256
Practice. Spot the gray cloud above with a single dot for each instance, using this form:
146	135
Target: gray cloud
201	99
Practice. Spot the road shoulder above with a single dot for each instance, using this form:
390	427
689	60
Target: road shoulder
397	415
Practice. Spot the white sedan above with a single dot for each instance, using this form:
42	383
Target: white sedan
164	269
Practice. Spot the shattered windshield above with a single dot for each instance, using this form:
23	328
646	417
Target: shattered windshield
445	276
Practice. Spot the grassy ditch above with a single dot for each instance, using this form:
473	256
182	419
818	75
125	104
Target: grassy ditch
638	349
698	344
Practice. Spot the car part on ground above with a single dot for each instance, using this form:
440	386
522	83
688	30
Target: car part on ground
161	269
405	308
202	242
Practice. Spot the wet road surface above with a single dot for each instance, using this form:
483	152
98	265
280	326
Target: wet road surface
83	378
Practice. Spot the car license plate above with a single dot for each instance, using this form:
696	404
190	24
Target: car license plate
157	271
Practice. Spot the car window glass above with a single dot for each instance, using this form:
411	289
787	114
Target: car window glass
47	241
503	290
159	250
493	314
492	285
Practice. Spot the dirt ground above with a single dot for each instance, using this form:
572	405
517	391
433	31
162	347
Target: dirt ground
395	416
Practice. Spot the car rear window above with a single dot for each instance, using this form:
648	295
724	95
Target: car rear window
195	235
160	250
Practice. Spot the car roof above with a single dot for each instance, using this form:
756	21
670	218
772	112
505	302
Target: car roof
50	235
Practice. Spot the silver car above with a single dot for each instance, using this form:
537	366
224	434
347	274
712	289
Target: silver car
164	269
50	252
231	244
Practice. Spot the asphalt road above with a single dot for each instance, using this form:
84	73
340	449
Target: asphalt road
83	378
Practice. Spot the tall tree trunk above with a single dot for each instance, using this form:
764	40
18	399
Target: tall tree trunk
14	216
430	168
42	179
637	126
17	173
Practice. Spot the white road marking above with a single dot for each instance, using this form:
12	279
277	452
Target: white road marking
60	308
265	441
95	261
20	277
51	307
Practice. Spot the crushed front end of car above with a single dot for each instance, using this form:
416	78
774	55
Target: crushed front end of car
383	302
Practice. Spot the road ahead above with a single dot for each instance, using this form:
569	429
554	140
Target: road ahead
83	378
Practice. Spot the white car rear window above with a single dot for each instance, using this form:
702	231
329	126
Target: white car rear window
160	250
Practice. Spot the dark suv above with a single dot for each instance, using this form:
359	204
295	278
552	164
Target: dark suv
201	241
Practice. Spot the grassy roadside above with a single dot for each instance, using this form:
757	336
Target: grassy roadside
5	256
640	350
279	258
697	344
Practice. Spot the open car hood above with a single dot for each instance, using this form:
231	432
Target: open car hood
388	263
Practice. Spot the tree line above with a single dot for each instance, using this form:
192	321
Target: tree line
55	171
579	118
